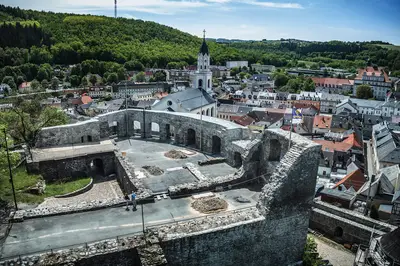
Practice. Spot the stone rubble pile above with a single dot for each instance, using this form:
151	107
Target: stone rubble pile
179	229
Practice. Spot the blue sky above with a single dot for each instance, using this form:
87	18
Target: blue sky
348	20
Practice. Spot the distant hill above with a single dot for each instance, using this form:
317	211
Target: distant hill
28	36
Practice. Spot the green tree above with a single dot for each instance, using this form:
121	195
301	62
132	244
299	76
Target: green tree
140	77
93	79
314	66
27	118
301	64
45	84
54	83
74	80
281	79
20	80
112	78
364	92
234	71
134	65
14	156
242	75
84	82
35	85
10	82
160	76
310	255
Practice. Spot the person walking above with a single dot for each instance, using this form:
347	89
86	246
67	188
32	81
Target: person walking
133	198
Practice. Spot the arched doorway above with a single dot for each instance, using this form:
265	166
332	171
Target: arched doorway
167	132
207	112
97	167
200	83
89	138
274	150
191	137
338	232
136	127
216	145
238	159
208	84
212	111
155	130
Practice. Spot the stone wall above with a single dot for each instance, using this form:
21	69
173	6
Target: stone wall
345	225
72	167
171	126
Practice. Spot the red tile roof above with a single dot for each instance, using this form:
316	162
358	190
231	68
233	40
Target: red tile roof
355	179
321	121
353	141
86	99
371	71
244	120
331	81
331	146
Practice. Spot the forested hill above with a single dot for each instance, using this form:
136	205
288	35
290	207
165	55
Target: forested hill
34	37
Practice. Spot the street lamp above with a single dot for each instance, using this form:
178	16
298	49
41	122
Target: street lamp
9	169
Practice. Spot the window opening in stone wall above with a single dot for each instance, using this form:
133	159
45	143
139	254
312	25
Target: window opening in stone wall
275	150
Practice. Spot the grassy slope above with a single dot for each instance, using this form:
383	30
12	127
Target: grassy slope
389	46
22	181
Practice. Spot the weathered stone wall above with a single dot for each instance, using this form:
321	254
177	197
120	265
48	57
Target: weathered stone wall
121	123
82	132
345	225
71	167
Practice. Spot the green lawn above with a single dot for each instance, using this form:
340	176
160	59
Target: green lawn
388	46
22	181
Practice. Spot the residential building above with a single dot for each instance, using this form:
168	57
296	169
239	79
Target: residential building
220	71
232	111
330	101
355	180
232	64
107	106
386	146
376	78
51	102
333	85
397	85
4	89
382	250
25	87
339	196
130	89
99	91
268	118
360	106
391	108
180	74
263	68
261	82
322	124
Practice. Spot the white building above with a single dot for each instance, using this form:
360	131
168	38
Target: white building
263	68
360	106
195	100
232	64
202	78
376	78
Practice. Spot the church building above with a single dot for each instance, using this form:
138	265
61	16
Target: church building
197	99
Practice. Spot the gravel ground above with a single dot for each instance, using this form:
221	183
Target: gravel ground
209	205
335	253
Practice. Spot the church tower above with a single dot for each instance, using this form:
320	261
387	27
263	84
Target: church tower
203	76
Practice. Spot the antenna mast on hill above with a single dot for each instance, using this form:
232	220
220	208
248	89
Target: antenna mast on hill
115	8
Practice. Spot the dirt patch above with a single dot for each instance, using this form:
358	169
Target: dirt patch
153	170
209	205
175	154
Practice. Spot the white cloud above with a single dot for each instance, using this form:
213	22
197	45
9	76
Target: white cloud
275	5
219	1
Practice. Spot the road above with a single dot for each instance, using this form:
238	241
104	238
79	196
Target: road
37	235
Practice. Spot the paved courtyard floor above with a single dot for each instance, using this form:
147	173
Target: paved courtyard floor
141	153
